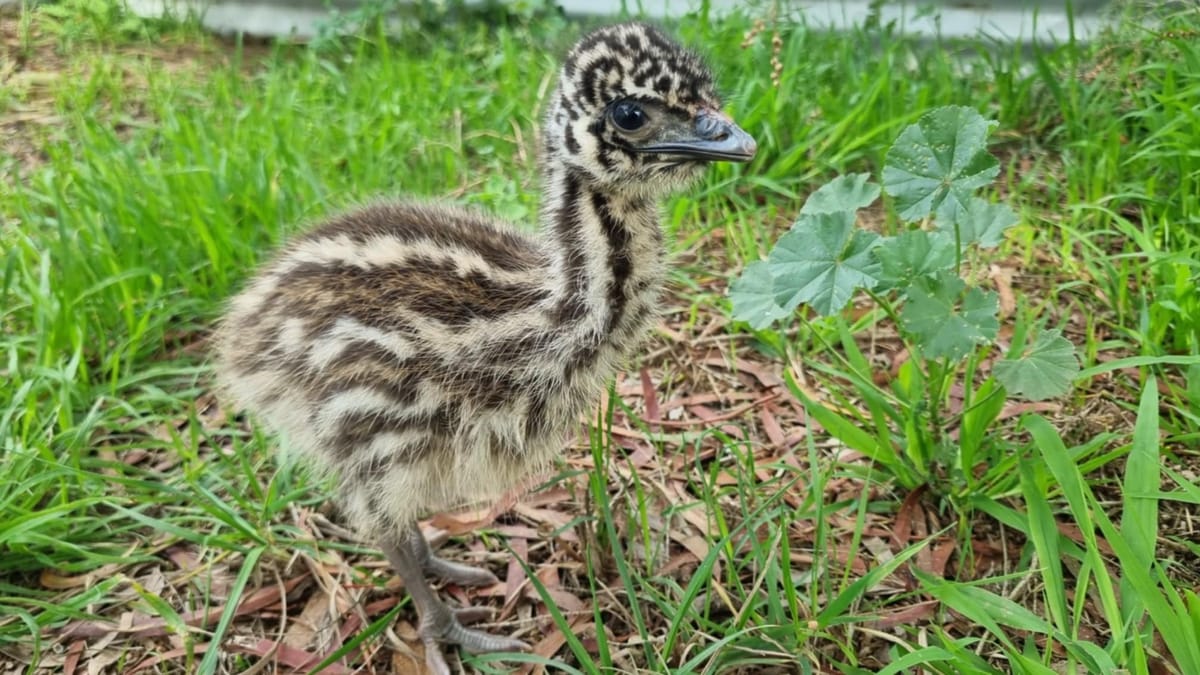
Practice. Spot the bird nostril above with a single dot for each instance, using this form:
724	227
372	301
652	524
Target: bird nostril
709	127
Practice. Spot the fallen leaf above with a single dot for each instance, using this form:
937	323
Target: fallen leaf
650	396
941	555
765	377
906	616
317	618
771	427
291	657
412	663
1003	278
50	579
549	645
73	654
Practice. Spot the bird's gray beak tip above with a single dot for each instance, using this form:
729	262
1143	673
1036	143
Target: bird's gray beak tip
747	148
723	138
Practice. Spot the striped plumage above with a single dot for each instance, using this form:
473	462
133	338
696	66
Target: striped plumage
432	356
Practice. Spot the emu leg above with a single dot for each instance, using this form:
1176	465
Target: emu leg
463	575
437	624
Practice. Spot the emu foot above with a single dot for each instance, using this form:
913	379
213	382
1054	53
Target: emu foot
412	558
447	629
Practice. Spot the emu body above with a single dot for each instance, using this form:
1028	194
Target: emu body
433	357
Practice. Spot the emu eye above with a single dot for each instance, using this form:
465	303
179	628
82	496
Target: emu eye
628	116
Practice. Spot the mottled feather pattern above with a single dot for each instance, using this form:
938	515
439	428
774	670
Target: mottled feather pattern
432	356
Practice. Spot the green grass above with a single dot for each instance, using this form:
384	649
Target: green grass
163	165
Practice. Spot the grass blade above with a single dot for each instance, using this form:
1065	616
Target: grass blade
1139	515
209	664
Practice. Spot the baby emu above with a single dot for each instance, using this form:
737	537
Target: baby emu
433	357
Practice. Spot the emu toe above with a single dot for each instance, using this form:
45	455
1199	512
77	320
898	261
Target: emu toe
457	573
447	630
473	641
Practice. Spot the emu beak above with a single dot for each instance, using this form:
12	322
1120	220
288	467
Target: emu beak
714	137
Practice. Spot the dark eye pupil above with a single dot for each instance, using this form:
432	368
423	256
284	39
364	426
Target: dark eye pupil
628	116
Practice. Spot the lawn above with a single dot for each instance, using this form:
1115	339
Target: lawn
815	495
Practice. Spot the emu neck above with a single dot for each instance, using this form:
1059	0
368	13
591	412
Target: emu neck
608	260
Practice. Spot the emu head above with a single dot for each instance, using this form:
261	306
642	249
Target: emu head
634	111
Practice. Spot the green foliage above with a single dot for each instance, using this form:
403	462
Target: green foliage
1136	594
73	21
429	16
1141	597
920	277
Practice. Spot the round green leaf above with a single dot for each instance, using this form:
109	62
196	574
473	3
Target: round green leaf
1045	369
914	254
844	193
982	222
822	261
938	162
948	322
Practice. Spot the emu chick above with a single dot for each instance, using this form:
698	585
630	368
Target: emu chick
433	357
